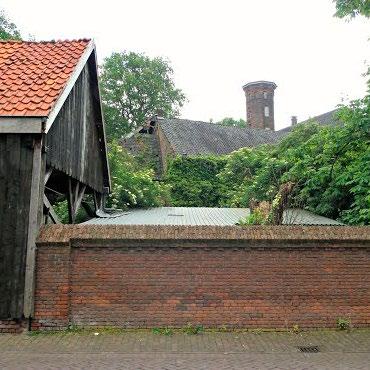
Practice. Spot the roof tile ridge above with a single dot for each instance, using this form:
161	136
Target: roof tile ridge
45	41
197	121
252	129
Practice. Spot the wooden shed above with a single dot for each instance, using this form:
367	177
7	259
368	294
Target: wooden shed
52	141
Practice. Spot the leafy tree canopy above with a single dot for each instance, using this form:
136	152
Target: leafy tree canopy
228	121
8	30
135	87
352	8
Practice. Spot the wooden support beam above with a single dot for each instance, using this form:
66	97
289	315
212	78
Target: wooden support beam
48	173
33	228
50	211
79	196
86	206
76	191
98	201
54	191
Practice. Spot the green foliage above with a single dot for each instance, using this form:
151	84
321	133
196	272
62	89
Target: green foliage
135	87
343	323
61	209
132	184
228	121
193	329
255	218
8	30
238	177
352	8
328	165
193	181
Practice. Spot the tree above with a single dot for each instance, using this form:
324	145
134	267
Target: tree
132	183
8	30
135	87
228	121
352	8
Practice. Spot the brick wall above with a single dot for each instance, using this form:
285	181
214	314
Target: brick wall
170	276
12	326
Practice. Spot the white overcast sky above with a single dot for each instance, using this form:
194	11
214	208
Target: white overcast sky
217	46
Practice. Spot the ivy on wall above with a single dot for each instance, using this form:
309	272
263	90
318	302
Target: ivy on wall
193	181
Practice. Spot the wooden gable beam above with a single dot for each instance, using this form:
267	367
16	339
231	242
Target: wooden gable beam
21	125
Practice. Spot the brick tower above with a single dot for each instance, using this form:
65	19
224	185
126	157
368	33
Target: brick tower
260	104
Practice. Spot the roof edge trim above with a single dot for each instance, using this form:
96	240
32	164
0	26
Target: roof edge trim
21	125
261	82
69	85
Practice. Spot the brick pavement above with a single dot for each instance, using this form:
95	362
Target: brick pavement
144	350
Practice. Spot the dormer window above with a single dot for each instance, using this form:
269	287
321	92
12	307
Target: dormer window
267	112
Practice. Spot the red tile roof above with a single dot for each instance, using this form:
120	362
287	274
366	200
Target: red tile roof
33	74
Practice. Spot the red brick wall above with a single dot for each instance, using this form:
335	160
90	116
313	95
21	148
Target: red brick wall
237	283
53	286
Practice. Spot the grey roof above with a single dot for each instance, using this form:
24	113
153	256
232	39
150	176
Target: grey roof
203	216
189	137
296	216
324	119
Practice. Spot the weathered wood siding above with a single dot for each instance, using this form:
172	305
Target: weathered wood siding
16	156
73	142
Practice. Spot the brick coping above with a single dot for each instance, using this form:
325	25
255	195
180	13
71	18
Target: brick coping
66	233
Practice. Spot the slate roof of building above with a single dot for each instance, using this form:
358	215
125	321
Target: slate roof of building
324	119
204	216
189	137
33	74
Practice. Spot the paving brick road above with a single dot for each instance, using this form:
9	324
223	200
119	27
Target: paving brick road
144	350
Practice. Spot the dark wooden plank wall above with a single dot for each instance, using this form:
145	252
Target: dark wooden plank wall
73	141
16	156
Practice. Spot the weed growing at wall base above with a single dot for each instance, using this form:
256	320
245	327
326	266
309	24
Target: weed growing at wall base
162	331
343	323
193	329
